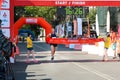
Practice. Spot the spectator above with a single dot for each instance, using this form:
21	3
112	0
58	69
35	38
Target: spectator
118	48
5	53
107	45
113	37
30	49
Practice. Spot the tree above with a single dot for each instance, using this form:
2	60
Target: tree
91	15
45	12
18	12
32	11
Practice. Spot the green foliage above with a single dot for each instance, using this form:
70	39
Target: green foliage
35	11
18	12
91	15
45	12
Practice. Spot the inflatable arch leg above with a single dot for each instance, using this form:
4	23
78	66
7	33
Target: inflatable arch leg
31	20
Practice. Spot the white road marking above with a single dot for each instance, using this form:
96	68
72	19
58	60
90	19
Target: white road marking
105	76
85	67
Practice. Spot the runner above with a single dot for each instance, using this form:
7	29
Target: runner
53	46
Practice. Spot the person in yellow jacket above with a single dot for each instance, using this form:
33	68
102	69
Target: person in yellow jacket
30	49
107	43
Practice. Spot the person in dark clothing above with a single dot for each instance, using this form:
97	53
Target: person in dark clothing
2	59
53	46
5	53
2	68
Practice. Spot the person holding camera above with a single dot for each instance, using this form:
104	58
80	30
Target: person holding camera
5	53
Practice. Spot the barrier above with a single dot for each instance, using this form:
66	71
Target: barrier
96	50
78	46
66	45
71	46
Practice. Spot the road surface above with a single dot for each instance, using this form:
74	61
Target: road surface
69	64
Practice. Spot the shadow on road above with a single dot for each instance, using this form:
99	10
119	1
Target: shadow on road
19	70
20	73
69	61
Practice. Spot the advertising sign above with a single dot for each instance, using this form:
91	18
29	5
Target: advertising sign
5	17
31	20
6	4
79	20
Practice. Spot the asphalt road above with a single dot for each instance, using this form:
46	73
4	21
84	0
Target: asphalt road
69	64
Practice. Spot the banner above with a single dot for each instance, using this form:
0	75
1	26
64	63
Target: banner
5	17
60	30
79	20
74	41
5	4
67	2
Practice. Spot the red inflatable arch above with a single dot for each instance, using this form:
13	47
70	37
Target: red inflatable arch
48	28
0	4
23	20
